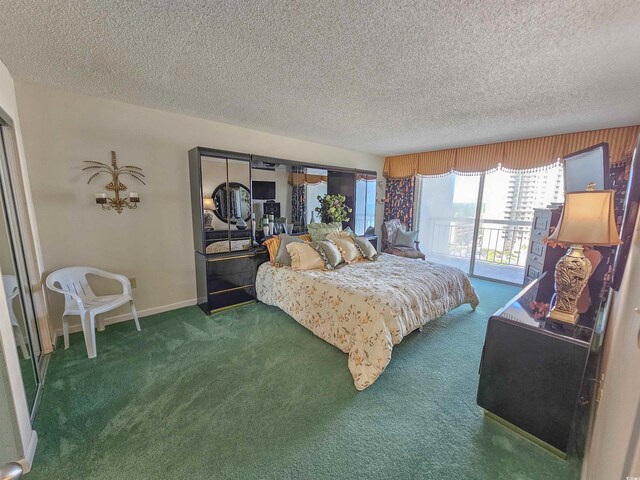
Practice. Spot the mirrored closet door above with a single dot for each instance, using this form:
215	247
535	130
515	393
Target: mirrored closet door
16	282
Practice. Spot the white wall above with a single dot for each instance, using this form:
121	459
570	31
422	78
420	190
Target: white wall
614	445
14	412
154	243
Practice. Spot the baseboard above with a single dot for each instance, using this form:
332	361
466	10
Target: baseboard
127	316
30	453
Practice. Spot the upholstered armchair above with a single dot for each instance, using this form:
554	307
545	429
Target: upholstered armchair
389	231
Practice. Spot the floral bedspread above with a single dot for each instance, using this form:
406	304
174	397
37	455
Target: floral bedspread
366	308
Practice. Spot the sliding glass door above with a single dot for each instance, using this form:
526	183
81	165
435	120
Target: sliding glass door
482	223
15	280
446	218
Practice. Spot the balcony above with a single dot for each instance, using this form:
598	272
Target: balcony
501	249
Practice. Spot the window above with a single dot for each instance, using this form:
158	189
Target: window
482	223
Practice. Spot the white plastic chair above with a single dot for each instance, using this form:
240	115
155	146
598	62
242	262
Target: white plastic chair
10	283
80	300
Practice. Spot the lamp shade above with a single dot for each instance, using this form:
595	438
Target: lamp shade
588	218
207	203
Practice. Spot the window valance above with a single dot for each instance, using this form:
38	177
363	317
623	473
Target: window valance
300	179
528	154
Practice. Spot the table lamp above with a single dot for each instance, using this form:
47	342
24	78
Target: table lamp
588	218
208	207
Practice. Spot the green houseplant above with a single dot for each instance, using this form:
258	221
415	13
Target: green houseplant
333	209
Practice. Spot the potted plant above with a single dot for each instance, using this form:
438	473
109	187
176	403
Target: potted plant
333	209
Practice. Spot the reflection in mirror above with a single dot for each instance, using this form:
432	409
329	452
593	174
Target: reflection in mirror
214	172
272	199
238	207
226	204
370	216
286	195
239	198
365	204
315	182
216	231
16	307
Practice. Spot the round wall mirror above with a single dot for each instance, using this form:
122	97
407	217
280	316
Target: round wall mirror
239	202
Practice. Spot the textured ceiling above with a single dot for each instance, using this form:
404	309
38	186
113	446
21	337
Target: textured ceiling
385	77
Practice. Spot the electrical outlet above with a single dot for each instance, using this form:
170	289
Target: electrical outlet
132	280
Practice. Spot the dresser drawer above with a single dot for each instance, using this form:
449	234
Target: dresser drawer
538	249
533	271
542	219
230	298
231	264
225	280
222	284
538	235
537	261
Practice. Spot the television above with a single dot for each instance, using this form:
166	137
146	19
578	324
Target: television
263	190
587	166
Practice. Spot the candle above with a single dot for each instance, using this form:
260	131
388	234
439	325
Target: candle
134	197
101	198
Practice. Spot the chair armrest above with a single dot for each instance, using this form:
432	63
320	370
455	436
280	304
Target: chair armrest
124	281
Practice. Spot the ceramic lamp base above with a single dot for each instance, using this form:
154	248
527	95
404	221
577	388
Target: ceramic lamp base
571	276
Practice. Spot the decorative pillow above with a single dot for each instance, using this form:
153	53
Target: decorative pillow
283	257
366	248
272	247
273	244
350	253
304	257
319	231
406	239
330	253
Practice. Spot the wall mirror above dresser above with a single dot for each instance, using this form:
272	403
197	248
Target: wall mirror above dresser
290	191
221	201
286	194
239	199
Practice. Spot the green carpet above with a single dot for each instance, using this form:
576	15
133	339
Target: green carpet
249	393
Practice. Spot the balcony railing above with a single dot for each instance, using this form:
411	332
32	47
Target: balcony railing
503	242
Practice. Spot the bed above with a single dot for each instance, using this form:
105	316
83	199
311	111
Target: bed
366	308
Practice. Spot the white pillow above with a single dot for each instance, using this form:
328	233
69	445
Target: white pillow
305	257
348	249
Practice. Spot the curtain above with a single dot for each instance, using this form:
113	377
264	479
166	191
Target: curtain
528	154
298	200
398	201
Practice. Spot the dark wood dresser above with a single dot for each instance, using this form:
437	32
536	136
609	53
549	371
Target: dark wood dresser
227	278
532	372
540	257
224	281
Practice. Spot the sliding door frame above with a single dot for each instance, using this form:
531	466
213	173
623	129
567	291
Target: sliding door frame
476	226
476	229
12	189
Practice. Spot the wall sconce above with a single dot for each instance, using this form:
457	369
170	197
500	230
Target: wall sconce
116	202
